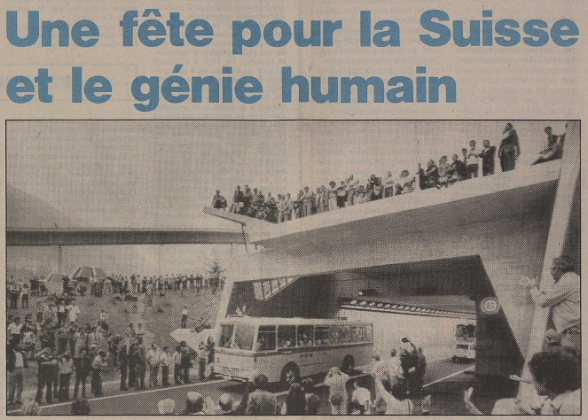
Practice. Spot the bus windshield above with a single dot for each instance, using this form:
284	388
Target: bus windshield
243	337
226	335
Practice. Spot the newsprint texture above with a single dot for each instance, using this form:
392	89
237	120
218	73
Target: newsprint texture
293	208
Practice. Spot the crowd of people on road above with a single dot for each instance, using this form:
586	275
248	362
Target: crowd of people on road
68	354
395	379
61	348
349	192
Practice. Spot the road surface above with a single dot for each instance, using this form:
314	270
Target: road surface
134	402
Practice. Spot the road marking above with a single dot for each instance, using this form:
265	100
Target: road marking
446	377
149	391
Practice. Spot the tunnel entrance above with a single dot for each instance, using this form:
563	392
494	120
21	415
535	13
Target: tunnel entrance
425	293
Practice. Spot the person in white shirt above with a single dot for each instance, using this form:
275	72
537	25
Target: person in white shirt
352	185
65	363
396	401
184	321
97	365
307	202
360	399
177	361
388	185
13	330
563	297
332	194
471	160
153	362
395	372
73	311
337	381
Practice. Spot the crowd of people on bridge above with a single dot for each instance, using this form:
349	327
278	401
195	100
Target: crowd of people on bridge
466	164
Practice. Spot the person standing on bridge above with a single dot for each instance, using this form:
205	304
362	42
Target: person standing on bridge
487	155
509	149
563	298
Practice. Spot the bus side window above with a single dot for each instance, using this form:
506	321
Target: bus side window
266	337
321	335
286	336
334	334
344	334
305	335
369	333
357	333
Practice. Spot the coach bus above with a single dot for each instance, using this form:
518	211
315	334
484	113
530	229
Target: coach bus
465	343
287	349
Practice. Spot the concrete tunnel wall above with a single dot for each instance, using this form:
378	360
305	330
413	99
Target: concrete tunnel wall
436	335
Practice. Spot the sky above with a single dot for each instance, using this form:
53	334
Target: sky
162	173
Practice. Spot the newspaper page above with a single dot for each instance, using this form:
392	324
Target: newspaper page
301	208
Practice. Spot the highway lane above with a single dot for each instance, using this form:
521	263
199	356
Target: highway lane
145	402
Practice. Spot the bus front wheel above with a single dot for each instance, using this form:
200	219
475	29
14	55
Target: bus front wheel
348	364
290	374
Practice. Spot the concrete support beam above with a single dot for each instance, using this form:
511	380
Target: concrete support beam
557	237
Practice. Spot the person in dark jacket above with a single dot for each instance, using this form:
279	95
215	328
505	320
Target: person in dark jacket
509	149
123	360
487	154
457	170
185	362
82	371
139	356
44	375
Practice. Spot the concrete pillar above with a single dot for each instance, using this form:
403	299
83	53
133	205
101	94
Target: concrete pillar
558	231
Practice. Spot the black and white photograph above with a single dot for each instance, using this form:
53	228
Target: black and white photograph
293	267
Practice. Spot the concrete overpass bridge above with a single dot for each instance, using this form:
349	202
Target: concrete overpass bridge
122	236
474	239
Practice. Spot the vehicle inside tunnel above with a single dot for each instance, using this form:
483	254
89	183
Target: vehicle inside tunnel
415	298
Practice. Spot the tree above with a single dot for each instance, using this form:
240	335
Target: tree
216	279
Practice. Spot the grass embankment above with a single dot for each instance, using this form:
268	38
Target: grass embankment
165	314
